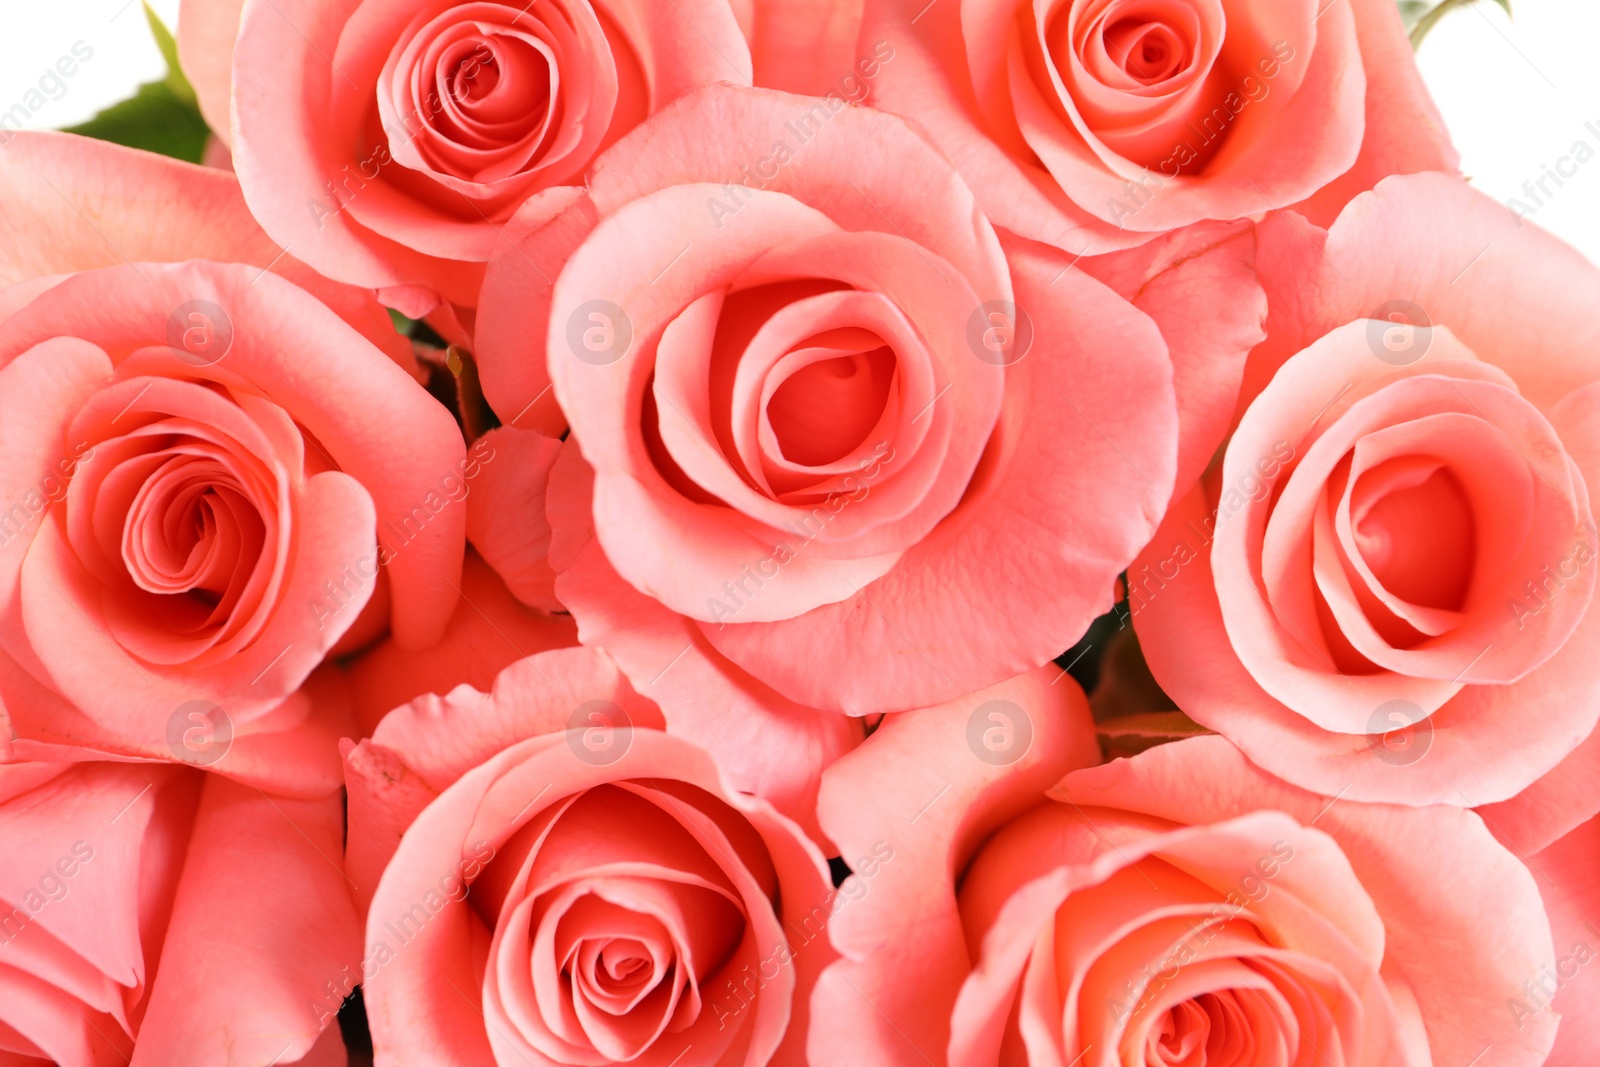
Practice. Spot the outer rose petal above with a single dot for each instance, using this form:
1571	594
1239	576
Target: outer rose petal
905	782
261	889
1436	875
514	313
769	745
1405	133
329	1051
207	30
1553	806
506	522
1568	875
77	203
292	751
489	631
807	46
419	749
1518	297
78	968
1199	285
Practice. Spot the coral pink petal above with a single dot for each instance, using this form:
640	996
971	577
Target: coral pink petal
514	313
275	862
1022	197
808	47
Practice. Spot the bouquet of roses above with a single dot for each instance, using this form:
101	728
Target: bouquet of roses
727	533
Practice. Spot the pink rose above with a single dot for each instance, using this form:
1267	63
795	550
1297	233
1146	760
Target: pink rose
208	471
1392	566
562	883
1178	907
818	424
390	143
153	914
1093	124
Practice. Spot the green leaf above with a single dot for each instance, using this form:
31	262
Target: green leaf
1421	16
161	117
402	325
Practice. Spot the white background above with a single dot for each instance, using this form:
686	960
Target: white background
1516	94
